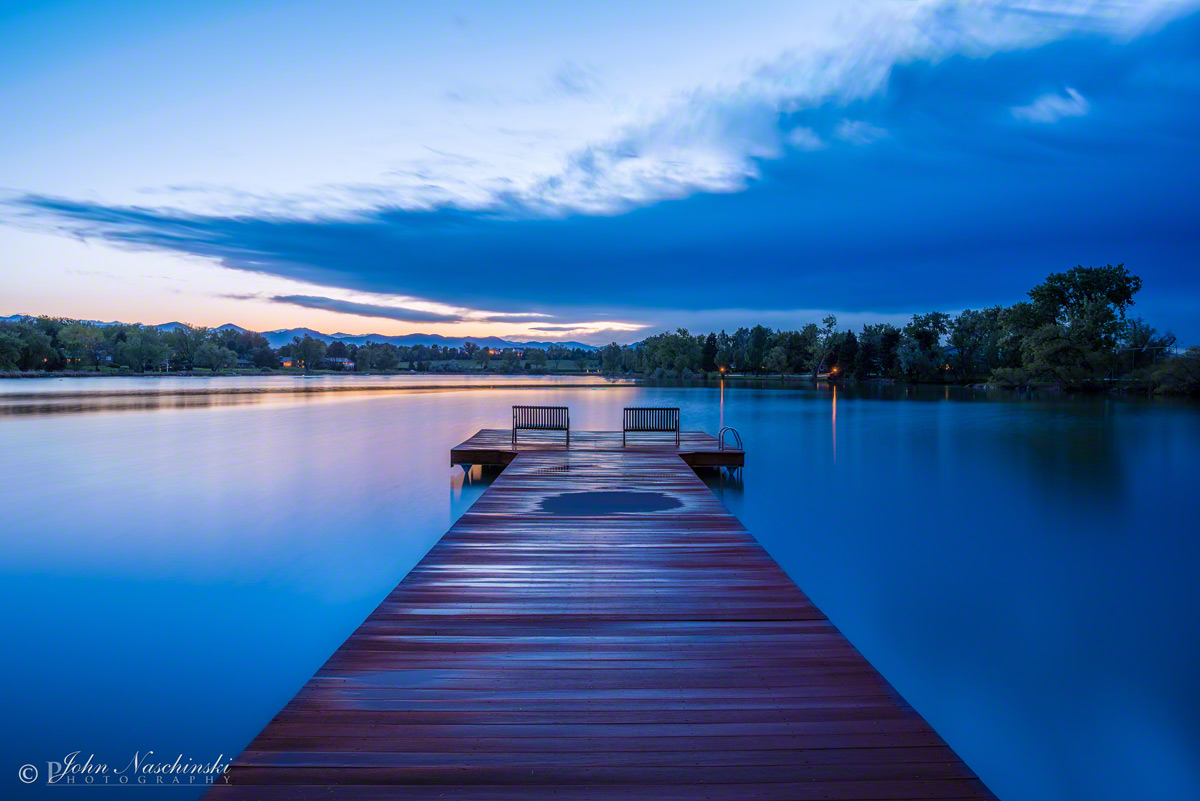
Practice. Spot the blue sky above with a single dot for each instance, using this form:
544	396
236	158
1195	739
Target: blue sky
591	172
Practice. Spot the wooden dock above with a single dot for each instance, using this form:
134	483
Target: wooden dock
597	626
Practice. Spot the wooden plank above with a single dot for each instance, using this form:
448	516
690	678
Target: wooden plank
598	626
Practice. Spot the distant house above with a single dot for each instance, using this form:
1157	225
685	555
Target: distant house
285	361
244	364
342	362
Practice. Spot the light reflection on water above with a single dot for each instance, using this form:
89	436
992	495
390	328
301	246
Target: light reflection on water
1021	569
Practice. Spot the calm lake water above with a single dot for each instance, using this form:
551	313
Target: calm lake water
1023	570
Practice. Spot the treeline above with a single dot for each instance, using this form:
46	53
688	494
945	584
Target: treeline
1073	332
384	356
53	344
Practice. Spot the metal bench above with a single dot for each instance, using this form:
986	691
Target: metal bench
651	418
541	418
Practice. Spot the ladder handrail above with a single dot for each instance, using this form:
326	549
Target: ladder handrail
721	438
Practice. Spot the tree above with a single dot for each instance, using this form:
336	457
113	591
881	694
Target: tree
921	355
185	340
37	351
1055	356
308	353
483	356
756	347
336	350
738	343
1178	375
776	360
213	356
143	348
974	341
10	350
537	358
82	341
510	362
708	356
1062	293
265	357
865	360
1016	323
847	353
1142	345
610	358
821	342
795	350
381	355
724	351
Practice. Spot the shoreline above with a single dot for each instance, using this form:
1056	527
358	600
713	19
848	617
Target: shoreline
388	383
293	390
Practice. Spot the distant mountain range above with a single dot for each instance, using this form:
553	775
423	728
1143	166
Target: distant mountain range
283	336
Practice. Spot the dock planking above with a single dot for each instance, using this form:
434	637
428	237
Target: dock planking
598	626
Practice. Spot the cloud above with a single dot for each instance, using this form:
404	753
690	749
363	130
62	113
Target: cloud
400	313
572	80
366	309
713	139
803	138
1053	107
857	132
752	223
589	328
568	81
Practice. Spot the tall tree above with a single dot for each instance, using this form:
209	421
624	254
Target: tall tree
776	360
1062	293
143	348
921	355
708	358
213	356
974	339
309	353
756	347
82	341
610	358
185	340
821	342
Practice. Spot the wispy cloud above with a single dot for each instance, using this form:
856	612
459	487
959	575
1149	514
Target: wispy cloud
400	313
596	230
803	138
858	132
1053	107
573	80
588	328
568	81
365	309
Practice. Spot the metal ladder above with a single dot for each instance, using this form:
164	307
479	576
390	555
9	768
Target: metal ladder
721	442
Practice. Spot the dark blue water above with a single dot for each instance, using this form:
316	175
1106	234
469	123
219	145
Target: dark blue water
1022	570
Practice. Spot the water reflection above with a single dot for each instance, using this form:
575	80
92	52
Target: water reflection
468	482
1021	568
833	421
62	396
727	485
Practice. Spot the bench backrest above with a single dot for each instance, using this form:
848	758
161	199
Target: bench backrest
652	418
541	418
